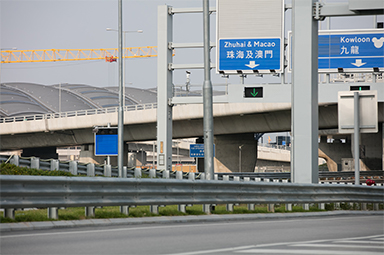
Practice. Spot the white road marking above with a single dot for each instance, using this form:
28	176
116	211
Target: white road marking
256	248
364	242
307	252
215	251
339	246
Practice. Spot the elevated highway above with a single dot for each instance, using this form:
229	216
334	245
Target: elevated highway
73	128
234	124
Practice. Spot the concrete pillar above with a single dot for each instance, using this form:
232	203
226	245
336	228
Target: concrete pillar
141	158
371	150
334	152
42	152
235	153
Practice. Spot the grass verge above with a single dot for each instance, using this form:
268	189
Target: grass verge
77	213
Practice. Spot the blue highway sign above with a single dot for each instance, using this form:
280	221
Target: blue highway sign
262	54
355	51
106	142
197	150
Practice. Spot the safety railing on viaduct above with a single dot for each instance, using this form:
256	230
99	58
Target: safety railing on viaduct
185	189
76	113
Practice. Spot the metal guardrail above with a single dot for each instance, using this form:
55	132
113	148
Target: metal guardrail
43	191
322	174
76	113
99	170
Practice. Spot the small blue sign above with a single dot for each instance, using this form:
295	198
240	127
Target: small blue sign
106	145
197	150
351	51
249	54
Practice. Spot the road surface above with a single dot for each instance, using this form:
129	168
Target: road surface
336	235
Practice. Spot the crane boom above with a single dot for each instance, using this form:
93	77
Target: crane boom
53	55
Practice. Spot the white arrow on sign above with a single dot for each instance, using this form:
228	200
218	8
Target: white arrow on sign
252	64
358	63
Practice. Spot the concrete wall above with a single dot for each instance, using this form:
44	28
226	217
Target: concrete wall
235	153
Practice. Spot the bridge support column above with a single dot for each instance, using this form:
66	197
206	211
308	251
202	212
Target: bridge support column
334	152
43	153
141	158
371	150
235	153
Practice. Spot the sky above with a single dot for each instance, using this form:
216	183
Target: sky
81	24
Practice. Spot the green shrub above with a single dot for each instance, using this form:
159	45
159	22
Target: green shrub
10	169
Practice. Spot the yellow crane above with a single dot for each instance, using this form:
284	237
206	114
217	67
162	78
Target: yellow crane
54	55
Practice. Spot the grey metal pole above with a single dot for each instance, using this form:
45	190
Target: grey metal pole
305	109
328	22
60	98
207	98
120	124
356	137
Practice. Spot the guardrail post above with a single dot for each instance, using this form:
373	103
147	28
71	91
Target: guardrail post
137	173
166	174
363	206
124	171
251	207
90	210
15	160
91	170
55	164
124	209
9	213
288	207
107	170
375	206
35	163
179	176
192	177
229	207
152	173
73	167
270	207
153	208
53	213
206	207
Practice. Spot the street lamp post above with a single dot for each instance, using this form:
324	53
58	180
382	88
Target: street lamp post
240	148
120	124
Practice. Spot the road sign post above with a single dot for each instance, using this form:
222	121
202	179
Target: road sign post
351	105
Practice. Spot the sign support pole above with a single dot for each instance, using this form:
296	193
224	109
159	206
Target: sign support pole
304	165
356	137
164	89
